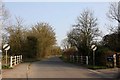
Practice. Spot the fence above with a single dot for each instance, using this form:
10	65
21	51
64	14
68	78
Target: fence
14	60
79	59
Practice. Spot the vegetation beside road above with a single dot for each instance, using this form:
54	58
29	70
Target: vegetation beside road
39	41
85	33
96	67
6	67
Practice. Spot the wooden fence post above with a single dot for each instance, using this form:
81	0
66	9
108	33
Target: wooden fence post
114	60
0	69
15	61
18	59
87	60
21	59
11	61
0	65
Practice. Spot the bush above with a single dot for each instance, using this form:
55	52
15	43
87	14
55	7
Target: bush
96	67
68	52
101	55
6	67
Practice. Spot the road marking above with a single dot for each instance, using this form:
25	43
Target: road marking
28	68
102	74
95	71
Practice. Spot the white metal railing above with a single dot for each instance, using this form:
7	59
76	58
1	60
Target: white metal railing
14	60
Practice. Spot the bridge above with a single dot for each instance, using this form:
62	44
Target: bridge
54	67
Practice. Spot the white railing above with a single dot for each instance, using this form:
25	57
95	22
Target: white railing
79	59
14	60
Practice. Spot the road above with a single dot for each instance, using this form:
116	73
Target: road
55	68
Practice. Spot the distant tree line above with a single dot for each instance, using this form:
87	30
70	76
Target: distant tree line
38	41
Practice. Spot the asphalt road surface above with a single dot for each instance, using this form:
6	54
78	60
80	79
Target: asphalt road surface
55	68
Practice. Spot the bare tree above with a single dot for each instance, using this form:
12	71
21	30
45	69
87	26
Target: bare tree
65	45
4	22
84	32
17	35
112	40
114	12
4	16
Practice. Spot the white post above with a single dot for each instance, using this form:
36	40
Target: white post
21	59
114	60
18	59
0	69
87	60
11	61
0	65
15	61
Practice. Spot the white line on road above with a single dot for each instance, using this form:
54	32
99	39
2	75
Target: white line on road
102	74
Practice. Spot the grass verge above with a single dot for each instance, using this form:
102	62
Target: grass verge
96	67
6	67
85	66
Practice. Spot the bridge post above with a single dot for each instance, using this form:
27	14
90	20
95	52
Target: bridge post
114	60
87	60
11	61
15	61
21	58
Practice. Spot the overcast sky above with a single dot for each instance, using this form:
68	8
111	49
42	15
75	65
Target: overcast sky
61	15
